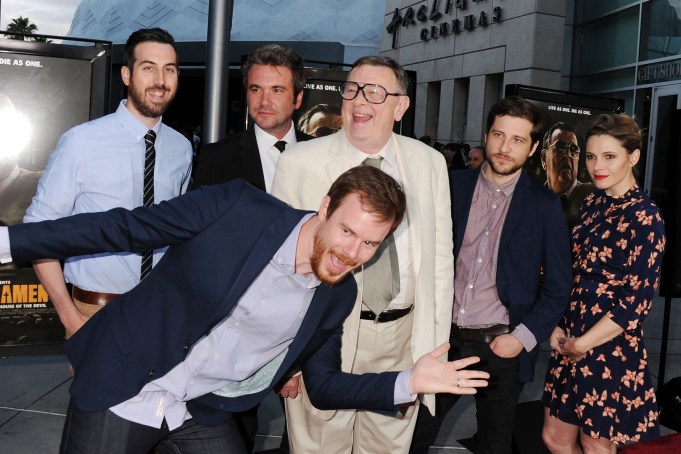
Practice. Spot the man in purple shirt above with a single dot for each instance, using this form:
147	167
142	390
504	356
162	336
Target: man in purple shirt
513	273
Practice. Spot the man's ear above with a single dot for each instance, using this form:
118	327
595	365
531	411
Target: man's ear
298	101
534	148
125	75
324	208
401	108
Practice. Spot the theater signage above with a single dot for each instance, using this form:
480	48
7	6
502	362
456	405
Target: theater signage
429	19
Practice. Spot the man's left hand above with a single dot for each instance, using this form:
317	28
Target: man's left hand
429	375
506	346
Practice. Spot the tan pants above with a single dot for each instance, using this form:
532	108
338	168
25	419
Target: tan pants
381	347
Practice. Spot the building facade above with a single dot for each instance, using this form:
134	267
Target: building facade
465	52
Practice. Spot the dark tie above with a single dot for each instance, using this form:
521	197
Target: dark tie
148	193
382	272
280	145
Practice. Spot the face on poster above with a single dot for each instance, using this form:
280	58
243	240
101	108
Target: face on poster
559	162
320	112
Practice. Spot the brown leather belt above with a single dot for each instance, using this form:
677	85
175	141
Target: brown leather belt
485	335
95	298
386	316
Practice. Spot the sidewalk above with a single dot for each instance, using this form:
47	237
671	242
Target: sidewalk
35	395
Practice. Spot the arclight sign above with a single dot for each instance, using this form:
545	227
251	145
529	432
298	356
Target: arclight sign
410	16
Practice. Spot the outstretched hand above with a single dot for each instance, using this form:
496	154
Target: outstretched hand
429	375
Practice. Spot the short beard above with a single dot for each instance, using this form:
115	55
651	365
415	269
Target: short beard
148	110
318	251
511	171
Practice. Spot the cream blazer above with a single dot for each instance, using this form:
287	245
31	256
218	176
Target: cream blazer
304	175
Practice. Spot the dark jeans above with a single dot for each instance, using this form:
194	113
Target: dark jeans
495	405
104	432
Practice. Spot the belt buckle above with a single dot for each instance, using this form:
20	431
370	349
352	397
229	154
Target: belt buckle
376	321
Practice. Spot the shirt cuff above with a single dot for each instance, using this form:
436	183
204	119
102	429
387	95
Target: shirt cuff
525	336
5	253
402	395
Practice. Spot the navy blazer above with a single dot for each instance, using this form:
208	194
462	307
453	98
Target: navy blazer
534	238
220	237
233	157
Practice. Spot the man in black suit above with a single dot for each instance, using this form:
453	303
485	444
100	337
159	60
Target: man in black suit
274	79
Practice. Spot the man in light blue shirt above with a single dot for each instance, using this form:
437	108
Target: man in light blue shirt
100	165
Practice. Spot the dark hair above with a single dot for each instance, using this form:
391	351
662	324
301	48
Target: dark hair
400	73
304	119
556	126
516	106
143	35
620	127
276	55
378	192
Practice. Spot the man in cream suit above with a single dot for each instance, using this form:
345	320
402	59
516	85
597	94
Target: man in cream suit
420	268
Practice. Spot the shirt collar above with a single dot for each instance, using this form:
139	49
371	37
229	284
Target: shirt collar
134	124
266	140
387	153
490	186
285	257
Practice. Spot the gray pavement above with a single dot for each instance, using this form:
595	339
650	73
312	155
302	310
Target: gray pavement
34	397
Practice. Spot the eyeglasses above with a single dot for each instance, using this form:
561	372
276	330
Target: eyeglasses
374	94
566	148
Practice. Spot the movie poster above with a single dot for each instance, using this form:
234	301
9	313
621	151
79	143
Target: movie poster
559	161
41	97
320	113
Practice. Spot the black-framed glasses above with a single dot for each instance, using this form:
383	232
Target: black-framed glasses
373	93
566	148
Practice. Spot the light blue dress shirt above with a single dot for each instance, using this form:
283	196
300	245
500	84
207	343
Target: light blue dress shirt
98	166
257	332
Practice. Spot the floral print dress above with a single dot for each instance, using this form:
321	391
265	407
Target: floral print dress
617	249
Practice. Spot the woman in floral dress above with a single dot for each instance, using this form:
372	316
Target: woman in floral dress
598	387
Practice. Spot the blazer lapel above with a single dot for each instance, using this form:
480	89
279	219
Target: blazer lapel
516	212
265	247
462	199
250	157
339	156
411	174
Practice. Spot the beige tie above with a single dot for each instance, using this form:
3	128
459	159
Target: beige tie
382	272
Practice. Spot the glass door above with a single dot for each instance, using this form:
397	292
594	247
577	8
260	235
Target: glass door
666	101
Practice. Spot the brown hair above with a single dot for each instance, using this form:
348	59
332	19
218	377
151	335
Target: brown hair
519	107
276	55
620	127
378	192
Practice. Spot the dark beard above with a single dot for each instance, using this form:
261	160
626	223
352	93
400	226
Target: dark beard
148	110
510	171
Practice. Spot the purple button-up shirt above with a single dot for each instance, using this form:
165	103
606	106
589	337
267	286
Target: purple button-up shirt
476	301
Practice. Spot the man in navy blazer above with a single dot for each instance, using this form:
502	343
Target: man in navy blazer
513	272
147	357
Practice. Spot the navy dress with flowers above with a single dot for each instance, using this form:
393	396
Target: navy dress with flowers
617	249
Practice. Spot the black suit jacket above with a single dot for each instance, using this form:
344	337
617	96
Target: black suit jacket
534	273
220	237
233	157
